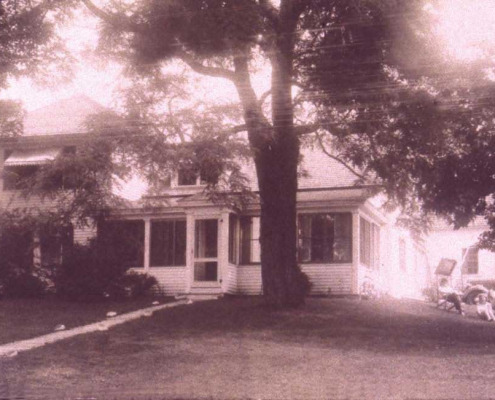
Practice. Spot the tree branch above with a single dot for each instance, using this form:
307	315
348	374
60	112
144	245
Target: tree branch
264	96
269	11
198	67
323	148
117	20
306	129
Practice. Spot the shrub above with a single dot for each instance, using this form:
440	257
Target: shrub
301	286
132	284
78	277
95	271
22	284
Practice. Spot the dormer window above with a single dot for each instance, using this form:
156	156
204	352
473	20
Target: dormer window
187	177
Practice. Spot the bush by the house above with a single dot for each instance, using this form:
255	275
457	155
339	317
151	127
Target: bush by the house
132	284
95	271
23	284
17	273
302	284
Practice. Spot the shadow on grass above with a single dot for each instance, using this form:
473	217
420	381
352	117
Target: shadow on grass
389	326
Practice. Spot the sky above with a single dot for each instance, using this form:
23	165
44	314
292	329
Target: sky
465	25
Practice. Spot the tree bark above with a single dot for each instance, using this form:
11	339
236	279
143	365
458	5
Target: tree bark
276	154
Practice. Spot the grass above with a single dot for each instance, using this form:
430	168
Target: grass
28	318
236	349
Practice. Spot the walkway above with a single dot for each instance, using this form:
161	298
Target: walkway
12	349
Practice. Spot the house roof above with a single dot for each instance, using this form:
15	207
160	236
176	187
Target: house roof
316	170
63	117
66	118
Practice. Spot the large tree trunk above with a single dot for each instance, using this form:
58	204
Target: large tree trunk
277	178
276	166
276	153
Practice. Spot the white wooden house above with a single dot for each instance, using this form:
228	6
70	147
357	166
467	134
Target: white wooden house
472	263
193	246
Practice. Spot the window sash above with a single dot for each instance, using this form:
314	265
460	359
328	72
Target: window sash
250	249
233	239
325	238
369	244
471	260
168	243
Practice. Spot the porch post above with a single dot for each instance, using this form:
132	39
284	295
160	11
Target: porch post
147	241
189	251
223	250
355	252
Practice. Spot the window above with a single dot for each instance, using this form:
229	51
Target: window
402	255
325	238
54	244
369	244
125	239
168	243
18	177
233	239
250	240
187	177
470	263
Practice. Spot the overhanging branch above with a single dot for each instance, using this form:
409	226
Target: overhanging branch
269	11
198	67
333	157
117	20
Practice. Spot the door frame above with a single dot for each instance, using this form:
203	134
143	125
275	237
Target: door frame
194	259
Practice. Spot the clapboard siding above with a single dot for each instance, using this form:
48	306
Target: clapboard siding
366	273
329	278
171	280
325	279
249	279
83	234
11	200
231	282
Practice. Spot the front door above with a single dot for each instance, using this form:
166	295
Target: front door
206	251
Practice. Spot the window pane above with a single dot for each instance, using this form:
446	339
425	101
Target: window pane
180	243
18	177
187	177
325	238
365	242
470	265
205	271
206	238
376	247
250	240
305	238
255	240
342	250
245	240
53	243
233	243
168	243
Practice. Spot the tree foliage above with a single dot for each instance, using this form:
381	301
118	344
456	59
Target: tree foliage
373	91
363	79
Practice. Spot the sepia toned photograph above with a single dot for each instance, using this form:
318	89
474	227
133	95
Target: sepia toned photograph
247	199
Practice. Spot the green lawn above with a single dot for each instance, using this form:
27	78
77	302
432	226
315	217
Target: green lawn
27	318
235	349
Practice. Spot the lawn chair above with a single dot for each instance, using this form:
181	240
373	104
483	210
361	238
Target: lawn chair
444	270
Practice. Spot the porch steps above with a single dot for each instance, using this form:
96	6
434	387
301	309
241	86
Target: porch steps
199	293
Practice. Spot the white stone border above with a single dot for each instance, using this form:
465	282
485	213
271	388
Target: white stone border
14	348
